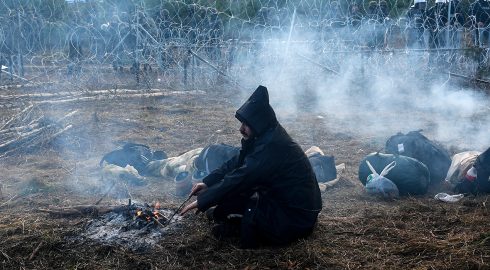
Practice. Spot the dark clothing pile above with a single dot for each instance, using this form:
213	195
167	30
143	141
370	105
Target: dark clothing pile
272	175
134	154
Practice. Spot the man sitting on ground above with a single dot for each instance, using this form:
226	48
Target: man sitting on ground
268	193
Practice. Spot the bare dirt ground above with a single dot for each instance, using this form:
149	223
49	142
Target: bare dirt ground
354	229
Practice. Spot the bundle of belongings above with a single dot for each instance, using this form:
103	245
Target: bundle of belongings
418	162
470	172
130	163
135	161
326	172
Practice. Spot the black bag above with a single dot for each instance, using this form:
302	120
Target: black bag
482	163
214	156
324	167
410	175
417	146
136	155
482	166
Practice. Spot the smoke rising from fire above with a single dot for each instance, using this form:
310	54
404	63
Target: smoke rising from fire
369	93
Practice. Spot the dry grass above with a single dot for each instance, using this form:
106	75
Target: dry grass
354	230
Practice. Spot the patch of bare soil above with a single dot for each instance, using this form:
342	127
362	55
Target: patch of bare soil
354	229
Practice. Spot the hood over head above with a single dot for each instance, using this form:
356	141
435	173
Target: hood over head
256	112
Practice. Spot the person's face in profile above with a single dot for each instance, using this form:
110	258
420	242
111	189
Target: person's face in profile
246	131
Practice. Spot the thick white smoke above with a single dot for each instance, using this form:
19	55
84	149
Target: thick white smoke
370	93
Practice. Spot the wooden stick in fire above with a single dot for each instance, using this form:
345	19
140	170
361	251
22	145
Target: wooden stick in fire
158	222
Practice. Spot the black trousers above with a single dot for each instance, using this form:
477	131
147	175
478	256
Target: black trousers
263	221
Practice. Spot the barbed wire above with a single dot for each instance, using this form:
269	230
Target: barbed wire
206	42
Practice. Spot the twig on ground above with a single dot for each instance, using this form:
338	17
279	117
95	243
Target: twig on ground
35	251
5	255
9	200
16	116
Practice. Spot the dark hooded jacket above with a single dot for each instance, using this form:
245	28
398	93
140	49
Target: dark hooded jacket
275	167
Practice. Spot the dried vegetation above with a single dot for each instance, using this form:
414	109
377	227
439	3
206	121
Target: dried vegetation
354	230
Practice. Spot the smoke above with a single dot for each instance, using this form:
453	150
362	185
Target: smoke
368	93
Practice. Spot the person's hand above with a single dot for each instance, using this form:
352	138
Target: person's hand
198	189
188	207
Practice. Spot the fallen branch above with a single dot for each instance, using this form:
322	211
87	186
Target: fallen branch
32	136
35	251
122	96
6	153
23	138
9	200
12	74
5	255
16	116
20	128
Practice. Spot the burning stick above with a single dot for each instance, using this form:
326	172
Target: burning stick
158	222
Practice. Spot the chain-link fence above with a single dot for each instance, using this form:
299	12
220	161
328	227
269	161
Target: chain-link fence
202	43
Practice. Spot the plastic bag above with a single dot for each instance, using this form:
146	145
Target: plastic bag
448	198
383	186
377	184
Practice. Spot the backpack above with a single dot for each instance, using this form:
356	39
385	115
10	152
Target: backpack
416	145
213	157
410	175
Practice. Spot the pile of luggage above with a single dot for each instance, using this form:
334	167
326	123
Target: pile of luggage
415	163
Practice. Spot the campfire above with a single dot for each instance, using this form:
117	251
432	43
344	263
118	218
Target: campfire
149	215
137	226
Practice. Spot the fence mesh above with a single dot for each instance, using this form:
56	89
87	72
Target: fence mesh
203	43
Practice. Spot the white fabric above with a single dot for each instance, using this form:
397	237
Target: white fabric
460	164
